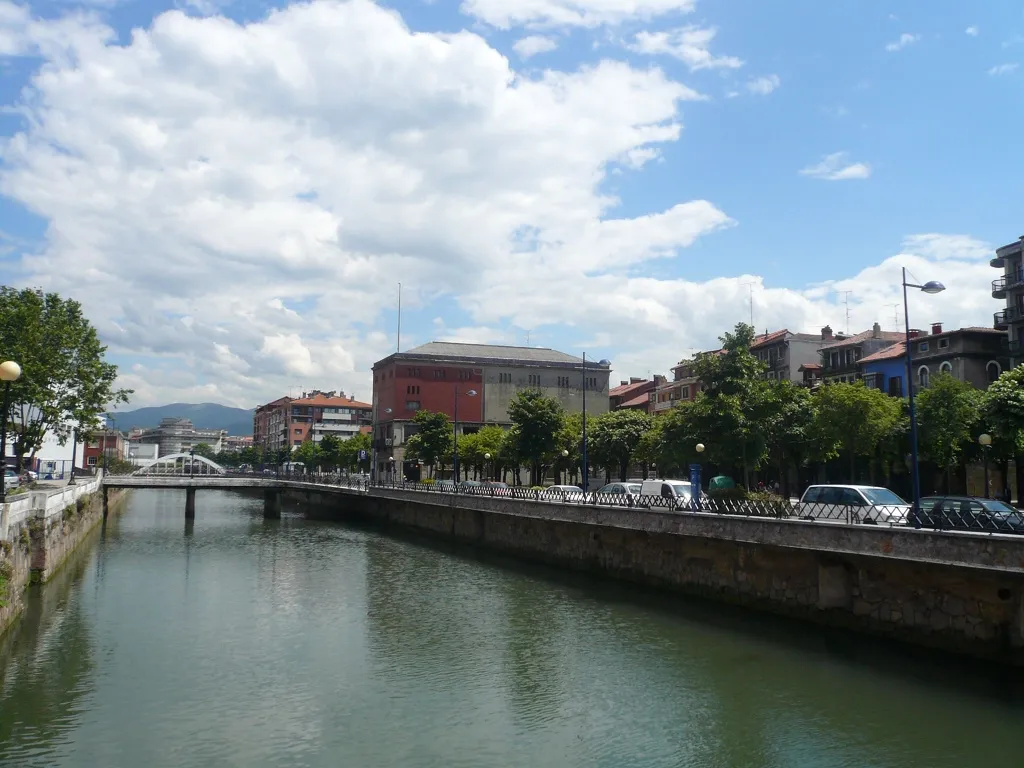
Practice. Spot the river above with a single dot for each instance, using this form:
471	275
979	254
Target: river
239	641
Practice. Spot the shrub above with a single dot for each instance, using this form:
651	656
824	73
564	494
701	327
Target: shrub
737	493
6	572
83	502
427	481
26	538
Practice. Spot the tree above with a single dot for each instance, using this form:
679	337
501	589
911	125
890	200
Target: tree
1003	409
433	438
786	419
331	454
309	454
947	416
538	420
205	450
853	420
65	381
615	437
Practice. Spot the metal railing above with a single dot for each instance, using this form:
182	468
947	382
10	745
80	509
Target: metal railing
1006	316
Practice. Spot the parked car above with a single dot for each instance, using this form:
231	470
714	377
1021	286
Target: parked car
675	494
29	476
968	513
561	492
495	484
853	504
468	485
628	489
11	480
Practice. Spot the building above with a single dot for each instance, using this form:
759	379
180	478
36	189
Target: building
1010	259
108	443
973	355
142	453
634	394
175	435
236	443
289	422
840	359
784	353
428	377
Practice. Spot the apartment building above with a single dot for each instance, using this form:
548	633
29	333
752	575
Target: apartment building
785	353
634	394
288	422
108	443
174	435
429	376
841	357
1010	259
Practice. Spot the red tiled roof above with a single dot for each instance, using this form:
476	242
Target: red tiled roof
898	349
624	389
767	338
639	400
331	402
865	336
809	367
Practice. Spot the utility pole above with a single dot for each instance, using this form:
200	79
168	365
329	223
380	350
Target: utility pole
750	287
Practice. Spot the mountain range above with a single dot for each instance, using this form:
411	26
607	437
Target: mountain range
237	421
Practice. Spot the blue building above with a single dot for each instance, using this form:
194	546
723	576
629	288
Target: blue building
886	369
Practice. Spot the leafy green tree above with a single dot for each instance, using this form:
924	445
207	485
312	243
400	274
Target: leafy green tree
433	439
1003	410
785	420
615	437
65	379
538	421
331	451
853	420
651	450
309	454
205	450
348	452
508	454
948	412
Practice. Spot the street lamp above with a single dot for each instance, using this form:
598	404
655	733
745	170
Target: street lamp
931	287
74	454
695	484
985	440
9	371
455	426
586	468
487	458
391	468
565	455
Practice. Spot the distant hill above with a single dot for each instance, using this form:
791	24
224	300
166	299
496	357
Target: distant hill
237	421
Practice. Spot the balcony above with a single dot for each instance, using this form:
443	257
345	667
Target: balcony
1007	283
1003	318
997	262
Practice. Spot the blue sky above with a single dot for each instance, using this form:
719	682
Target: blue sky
234	192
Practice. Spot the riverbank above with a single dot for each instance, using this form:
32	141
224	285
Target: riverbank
38	533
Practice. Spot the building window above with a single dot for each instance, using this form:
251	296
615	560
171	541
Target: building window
994	370
534	379
439	373
412	405
296	442
504	378
834	360
946	367
943	343
686	392
91	461
896	386
298	430
922	376
412	389
922	347
563	382
465	375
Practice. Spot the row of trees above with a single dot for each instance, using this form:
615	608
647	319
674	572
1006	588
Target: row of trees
752	428
331	453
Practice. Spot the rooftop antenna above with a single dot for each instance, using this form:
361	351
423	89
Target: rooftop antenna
527	338
398	341
895	315
750	287
846	301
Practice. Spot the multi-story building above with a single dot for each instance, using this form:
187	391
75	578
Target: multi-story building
108	443
1010	259
142	453
289	422
634	394
784	353
973	355
175	435
237	442
840	358
428	377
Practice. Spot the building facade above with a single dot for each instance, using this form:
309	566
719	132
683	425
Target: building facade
634	394
1010	259
840	359
784	353
289	422
175	435
108	443
976	356
429	376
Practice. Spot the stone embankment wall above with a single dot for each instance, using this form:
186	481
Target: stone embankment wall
958	592
38	531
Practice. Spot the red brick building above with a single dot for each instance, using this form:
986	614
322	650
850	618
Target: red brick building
109	443
291	421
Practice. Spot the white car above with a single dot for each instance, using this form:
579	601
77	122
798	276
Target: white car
675	493
628	490
868	504
561	492
11	480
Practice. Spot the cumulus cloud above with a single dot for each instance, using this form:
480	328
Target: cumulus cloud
689	44
534	44
764	85
835	167
904	40
506	14
1003	69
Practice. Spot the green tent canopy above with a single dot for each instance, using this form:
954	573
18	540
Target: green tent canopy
719	482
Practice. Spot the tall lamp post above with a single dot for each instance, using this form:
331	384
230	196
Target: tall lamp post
74	454
695	483
9	371
487	460
931	287
985	441
586	467
455	430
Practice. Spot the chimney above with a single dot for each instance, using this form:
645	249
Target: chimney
876	331
826	333
936	329
914	333
635	379
659	380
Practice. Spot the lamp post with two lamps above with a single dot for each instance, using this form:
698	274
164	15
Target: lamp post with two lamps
985	441
931	287
9	371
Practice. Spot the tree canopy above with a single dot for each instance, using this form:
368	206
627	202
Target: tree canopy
614	438
948	412
537	420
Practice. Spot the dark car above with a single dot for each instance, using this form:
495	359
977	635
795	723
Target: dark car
968	513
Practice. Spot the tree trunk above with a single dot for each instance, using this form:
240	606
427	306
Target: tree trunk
853	467
1019	460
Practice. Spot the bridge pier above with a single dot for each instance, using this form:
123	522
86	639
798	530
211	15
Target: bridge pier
272	503
190	503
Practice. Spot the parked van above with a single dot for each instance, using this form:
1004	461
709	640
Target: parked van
678	490
853	504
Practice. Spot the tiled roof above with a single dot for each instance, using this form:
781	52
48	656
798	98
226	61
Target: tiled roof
809	367
452	349
639	400
865	336
624	389
330	402
899	349
768	338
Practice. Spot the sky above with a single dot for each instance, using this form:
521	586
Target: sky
235	190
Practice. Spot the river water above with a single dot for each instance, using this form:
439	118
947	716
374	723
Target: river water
245	642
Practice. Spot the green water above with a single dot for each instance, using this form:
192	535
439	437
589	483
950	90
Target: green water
244	642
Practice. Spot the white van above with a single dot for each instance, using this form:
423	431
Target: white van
678	490
853	504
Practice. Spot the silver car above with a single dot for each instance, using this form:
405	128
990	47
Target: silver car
853	504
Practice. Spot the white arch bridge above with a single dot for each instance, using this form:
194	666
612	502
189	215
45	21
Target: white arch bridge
180	464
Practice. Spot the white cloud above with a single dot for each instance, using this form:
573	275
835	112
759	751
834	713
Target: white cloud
905	39
764	85
689	44
534	44
1003	69
946	247
506	14
972	31
835	167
